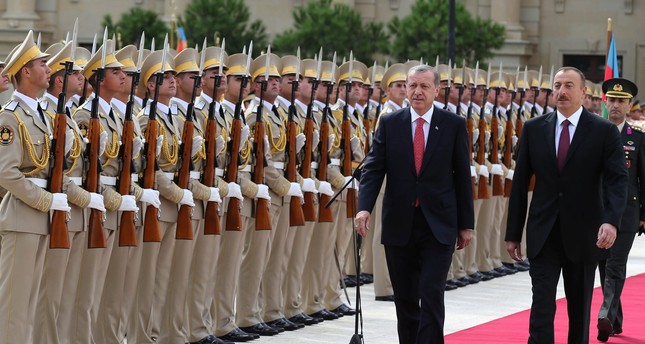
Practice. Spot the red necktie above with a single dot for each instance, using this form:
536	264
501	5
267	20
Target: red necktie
563	145
419	144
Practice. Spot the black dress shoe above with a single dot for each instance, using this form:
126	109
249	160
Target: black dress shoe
450	285
344	309
210	340
468	280
385	298
304	319
604	329
367	278
477	276
521	267
617	330
285	324
457	282
238	335
261	328
325	315
506	269
492	274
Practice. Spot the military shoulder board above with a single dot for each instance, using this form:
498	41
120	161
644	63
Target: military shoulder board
11	105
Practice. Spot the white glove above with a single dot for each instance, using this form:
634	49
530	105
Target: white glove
510	174
353	184
355	143
234	191
244	135
500	132
308	185
96	202
263	192
267	148
332	138
214	197
294	190
315	139
219	144
300	142
487	136
325	189
497	170
128	203
69	140
102	142
513	140
151	197
473	171
187	198
59	202
483	171
196	147
475	135
137	144
159	143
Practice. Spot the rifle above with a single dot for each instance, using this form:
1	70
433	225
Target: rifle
59	237
296	214
482	191
508	147
378	110
127	230
309	208
325	214
470	126
366	121
151	231
262	216
498	187
212	224
96	235
346	133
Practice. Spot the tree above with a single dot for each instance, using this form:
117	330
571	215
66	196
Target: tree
132	23
335	27
424	34
225	18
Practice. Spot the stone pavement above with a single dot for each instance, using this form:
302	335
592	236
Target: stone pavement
465	307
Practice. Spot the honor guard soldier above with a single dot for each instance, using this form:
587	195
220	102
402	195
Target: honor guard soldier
240	186
350	82
187	68
590	88
24	220
619	93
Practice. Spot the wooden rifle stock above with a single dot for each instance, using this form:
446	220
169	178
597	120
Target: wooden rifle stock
127	230
212	224
58	233
262	216
498	186
508	152
325	214
308	208
296	214
151	230
184	225
96	235
233	216
470	126
346	133
482	192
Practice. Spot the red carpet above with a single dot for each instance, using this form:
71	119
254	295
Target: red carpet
514	328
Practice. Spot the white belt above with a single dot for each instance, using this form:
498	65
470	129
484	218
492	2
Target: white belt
314	164
279	165
108	180
170	175
335	162
39	182
134	177
194	175
76	180
219	172
246	168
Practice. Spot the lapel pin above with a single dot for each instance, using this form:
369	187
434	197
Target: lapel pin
436	128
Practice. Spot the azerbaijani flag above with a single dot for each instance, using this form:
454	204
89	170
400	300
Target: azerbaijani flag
611	66
182	42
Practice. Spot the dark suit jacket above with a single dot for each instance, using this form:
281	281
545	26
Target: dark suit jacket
443	186
594	163
634	146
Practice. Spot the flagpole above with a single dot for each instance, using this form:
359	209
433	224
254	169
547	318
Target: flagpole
609	32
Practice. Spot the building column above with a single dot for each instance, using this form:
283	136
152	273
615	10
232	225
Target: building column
516	48
20	10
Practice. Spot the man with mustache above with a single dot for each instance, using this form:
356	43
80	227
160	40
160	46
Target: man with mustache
578	200
619	93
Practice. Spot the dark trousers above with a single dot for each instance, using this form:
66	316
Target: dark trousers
578	286
613	272
418	272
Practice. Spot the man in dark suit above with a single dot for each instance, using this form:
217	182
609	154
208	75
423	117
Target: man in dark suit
578	200
427	206
619	93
